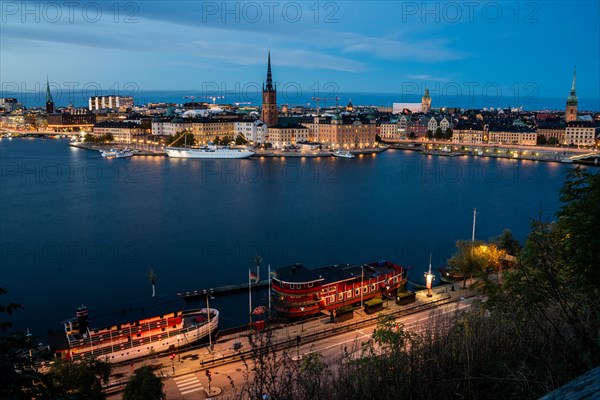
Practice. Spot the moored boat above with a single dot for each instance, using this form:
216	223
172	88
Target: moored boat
343	154
210	151
116	153
446	275
131	331
299	292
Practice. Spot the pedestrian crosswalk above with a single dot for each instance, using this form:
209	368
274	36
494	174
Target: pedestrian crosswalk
188	384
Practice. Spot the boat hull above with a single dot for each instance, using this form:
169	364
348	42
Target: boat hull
180	152
122	349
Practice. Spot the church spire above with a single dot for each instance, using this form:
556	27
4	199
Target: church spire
269	77
48	94
572	99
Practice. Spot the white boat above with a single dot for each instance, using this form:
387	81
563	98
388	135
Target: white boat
124	333
116	153
210	151
343	154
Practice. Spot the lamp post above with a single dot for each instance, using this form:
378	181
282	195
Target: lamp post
429	277
178	351
208	294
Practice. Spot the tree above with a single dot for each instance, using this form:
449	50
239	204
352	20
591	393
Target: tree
553	141
411	135
184	139
225	141
80	380
108	137
240	140
89	138
144	386
468	261
217	140
429	134
541	140
15	380
448	134
378	138
438	133
506	241
578	220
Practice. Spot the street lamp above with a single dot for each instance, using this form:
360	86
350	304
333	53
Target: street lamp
208	294
178	351
429	277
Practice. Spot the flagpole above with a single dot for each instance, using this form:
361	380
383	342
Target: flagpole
250	295
269	293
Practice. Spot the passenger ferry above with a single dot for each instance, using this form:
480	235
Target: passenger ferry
135	330
299	291
210	151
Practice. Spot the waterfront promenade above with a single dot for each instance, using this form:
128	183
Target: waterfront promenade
238	346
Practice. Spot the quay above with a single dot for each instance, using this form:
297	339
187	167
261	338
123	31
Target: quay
512	152
228	289
237	345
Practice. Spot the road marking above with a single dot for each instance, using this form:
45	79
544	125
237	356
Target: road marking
188	384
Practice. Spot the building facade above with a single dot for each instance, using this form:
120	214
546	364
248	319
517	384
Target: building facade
347	132
513	137
110	103
285	136
580	133
122	132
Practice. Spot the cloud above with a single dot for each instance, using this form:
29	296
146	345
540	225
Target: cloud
426	77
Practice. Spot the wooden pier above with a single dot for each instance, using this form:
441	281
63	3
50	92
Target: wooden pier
223	289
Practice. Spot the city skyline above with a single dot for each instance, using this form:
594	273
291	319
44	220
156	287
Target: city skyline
519	50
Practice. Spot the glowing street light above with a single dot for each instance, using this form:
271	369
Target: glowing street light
429	277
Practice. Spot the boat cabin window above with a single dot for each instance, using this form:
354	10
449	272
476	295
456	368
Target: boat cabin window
349	294
372	287
332	299
340	296
310	284
365	289
357	292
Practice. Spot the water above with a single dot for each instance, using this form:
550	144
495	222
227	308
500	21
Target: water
441	97
76	228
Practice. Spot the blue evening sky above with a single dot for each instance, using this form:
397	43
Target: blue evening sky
519	49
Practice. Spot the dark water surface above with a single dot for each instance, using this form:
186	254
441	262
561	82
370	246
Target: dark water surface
76	228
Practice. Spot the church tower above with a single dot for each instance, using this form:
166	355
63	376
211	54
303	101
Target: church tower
571	112
269	99
425	102
49	101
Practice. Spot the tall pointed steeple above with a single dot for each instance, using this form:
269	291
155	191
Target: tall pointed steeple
48	94
269	86
269	114
571	111
572	99
49	100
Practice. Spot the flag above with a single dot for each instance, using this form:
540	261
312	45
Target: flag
254	277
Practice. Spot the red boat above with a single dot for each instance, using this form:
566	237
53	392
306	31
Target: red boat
299	292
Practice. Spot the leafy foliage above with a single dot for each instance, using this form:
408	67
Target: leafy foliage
144	386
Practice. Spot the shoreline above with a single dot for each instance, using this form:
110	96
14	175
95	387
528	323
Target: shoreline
517	152
440	149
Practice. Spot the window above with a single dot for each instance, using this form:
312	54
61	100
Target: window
331	299
310	284
340	296
357	292
365	289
